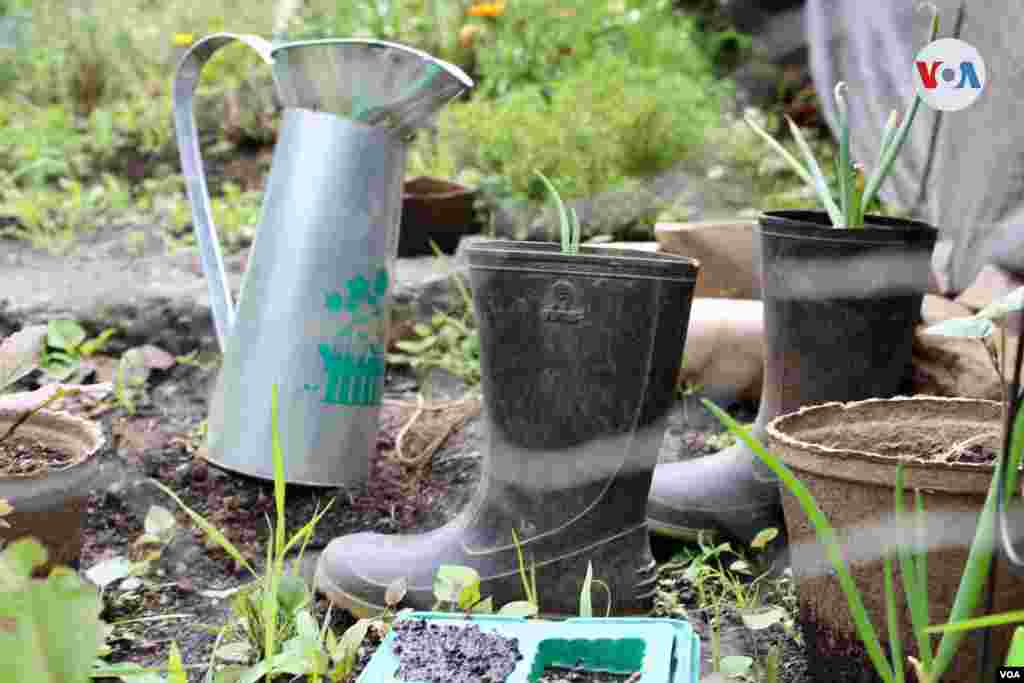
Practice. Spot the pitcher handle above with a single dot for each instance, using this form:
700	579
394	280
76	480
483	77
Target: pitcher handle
186	79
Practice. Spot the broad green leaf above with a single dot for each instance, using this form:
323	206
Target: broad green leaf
971	328
396	591
17	562
423	330
519	608
292	593
20	354
1011	303
451	580
736	665
764	537
586	607
469	595
347	647
64	334
55	629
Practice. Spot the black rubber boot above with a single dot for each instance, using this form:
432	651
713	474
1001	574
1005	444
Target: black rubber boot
840	307
579	358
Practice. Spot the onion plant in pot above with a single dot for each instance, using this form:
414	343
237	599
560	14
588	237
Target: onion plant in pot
579	352
47	458
842	294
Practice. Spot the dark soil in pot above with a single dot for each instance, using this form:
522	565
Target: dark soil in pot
27	456
846	455
47	467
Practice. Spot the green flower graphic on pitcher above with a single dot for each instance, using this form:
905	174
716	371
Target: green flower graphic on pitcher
354	365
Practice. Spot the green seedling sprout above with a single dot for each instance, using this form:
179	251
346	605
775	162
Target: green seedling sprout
849	210
568	221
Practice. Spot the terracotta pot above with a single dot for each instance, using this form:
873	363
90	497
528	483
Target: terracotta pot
438	210
846	455
725	250
51	506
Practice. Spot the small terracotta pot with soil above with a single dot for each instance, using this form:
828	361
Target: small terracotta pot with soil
47	469
846	455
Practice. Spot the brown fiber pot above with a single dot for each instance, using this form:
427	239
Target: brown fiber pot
438	210
51	506
846	455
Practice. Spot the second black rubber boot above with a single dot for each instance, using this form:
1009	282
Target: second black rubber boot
579	355
840	307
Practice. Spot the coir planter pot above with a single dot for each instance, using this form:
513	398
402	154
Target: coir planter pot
49	504
846	455
438	210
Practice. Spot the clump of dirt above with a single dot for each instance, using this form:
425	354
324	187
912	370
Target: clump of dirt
977	455
25	456
439	653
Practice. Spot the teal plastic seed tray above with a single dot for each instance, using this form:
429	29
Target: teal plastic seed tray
662	650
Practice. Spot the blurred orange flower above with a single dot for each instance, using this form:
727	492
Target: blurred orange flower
487	9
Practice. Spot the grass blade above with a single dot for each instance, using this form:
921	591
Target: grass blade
1013	617
892	617
921	562
911	574
826	536
820	184
586	607
210	530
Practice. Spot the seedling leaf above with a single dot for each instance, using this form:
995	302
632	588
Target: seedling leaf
64	334
586	608
20	354
396	592
519	608
764	537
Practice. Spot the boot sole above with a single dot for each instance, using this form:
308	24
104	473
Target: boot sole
633	542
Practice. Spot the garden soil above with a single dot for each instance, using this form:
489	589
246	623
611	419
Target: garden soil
182	597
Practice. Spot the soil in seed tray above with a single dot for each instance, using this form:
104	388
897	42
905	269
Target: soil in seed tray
557	674
436	653
22	456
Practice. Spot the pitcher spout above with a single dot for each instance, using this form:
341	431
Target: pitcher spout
371	81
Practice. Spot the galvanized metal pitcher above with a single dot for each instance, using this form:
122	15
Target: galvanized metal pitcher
314	308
